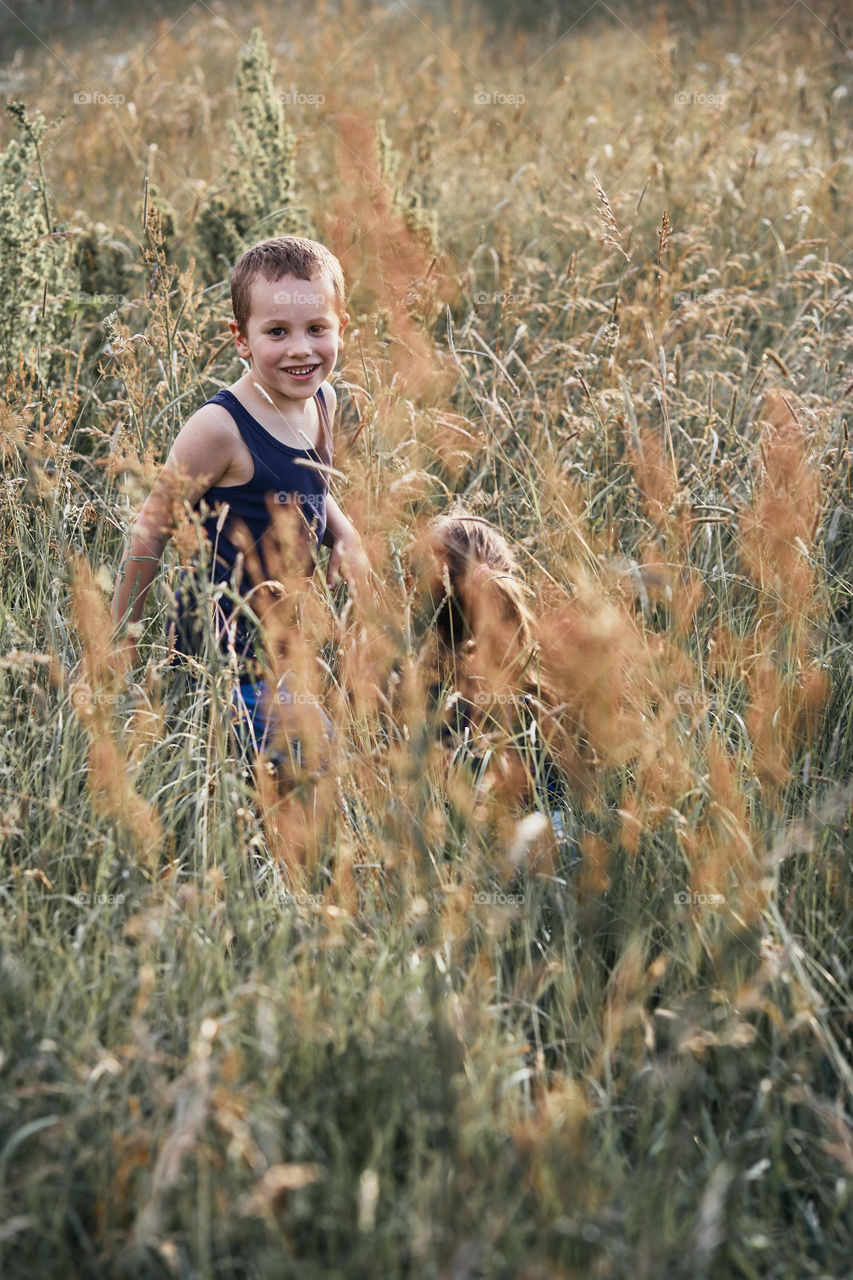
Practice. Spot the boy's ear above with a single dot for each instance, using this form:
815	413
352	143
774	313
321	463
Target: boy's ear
239	340
344	321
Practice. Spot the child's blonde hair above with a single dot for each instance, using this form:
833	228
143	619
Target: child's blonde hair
283	256
471	595
473	575
471	591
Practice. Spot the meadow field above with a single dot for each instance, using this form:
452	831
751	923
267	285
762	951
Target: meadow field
599	269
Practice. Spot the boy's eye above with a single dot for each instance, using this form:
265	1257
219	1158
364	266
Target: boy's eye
278	329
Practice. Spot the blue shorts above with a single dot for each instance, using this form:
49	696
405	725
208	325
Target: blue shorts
275	724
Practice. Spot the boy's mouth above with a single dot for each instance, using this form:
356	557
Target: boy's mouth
301	371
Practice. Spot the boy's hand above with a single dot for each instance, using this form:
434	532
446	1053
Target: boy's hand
349	561
347	558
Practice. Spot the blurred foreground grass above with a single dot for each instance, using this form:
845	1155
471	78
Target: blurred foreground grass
441	1051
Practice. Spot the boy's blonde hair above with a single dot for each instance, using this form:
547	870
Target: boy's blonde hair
283	256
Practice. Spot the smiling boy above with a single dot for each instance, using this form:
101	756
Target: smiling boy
262	444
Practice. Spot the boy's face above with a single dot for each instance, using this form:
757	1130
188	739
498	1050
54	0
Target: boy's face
294	335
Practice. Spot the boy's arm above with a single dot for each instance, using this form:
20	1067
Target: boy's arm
199	458
347	556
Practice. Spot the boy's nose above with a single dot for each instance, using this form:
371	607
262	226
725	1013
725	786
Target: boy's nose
299	346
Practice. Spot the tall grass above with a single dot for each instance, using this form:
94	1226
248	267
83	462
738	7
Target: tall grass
442	1048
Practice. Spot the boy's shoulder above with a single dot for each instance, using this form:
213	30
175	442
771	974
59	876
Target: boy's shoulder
212	423
206	444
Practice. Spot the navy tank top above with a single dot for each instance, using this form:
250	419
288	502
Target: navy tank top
241	523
